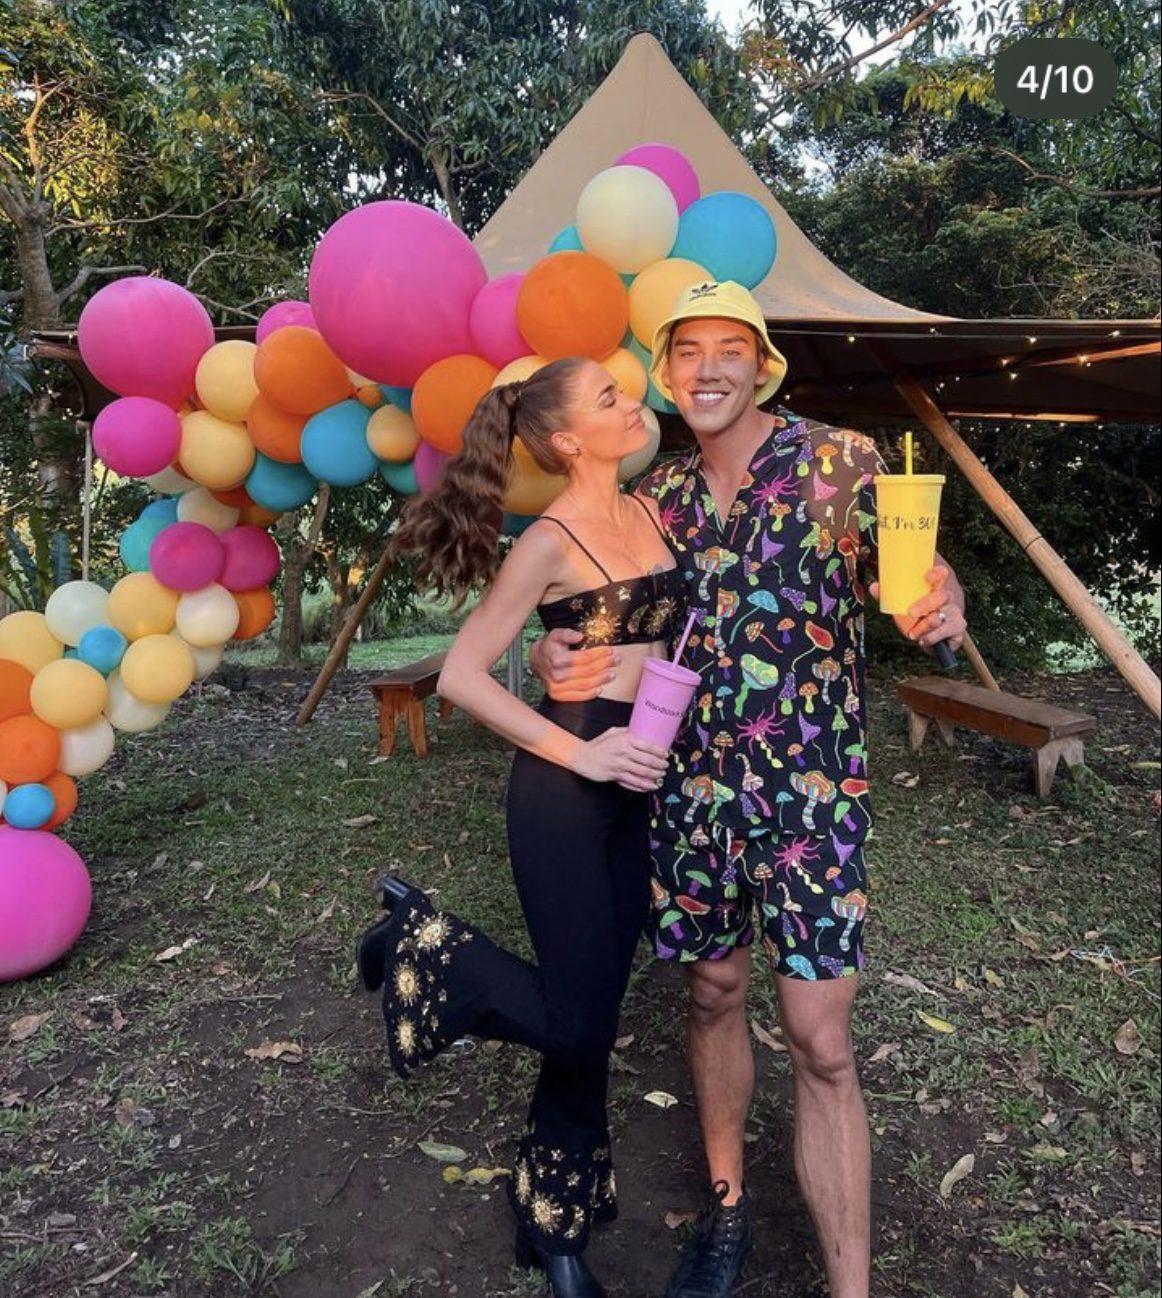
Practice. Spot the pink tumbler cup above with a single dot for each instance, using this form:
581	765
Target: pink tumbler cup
663	695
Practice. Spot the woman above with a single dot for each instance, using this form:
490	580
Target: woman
596	562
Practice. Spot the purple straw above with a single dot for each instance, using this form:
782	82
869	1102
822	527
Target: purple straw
685	635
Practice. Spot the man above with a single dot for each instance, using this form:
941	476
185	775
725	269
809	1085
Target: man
764	811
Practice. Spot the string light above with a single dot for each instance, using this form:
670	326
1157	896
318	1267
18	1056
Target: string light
1032	338
851	338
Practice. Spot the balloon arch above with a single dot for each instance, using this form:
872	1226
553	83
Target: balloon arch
378	374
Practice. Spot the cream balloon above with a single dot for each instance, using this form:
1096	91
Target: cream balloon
392	435
87	748
169	482
139	605
74	608
217	453
628	217
524	367
225	379
207	617
637	462
207	658
68	694
126	712
201	506
157	669
25	638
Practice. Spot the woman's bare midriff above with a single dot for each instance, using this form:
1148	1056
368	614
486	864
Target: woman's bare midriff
624	685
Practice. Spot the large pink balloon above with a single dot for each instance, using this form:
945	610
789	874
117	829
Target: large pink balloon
45	897
143	337
669	165
282	314
429	466
252	558
186	556
492	321
136	436
391	287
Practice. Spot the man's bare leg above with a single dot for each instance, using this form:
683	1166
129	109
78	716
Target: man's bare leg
721	1062
832	1147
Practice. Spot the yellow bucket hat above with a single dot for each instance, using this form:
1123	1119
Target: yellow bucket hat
713	301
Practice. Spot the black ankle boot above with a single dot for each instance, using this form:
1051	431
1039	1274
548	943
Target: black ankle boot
371	949
567	1274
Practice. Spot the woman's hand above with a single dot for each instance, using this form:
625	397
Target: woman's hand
616	756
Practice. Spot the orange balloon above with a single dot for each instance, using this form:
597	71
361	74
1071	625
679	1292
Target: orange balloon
277	433
444	397
369	395
235	497
29	750
295	369
572	304
15	684
257	516
255	612
64	794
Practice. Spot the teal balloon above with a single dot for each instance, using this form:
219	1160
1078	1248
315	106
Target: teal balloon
28	806
401	398
654	398
334	445
166	508
277	486
731	235
515	524
401	477
567	241
70	652
136	540
102	647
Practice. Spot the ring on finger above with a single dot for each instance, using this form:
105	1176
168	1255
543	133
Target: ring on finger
941	616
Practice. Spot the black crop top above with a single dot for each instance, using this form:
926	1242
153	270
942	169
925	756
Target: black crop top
637	611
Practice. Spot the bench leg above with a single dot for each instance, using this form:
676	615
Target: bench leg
1046	757
389	711
417	728
917	729
445	709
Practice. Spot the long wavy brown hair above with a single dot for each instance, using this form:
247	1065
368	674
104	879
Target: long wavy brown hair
453	531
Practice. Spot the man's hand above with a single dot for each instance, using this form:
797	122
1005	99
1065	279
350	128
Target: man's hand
571	675
937	616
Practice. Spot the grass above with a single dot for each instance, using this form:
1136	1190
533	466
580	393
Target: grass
133	1124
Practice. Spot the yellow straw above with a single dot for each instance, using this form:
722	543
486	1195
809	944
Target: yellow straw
908	452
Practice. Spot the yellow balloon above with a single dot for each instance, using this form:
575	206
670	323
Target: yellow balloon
639	461
531	489
628	217
157	669
629	372
392	435
200	506
517	371
139	605
26	639
215	452
653	293
225	379
68	693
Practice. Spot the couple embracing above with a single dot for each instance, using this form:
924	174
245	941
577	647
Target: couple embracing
752	827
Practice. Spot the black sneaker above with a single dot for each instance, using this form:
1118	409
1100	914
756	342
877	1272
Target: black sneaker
713	1260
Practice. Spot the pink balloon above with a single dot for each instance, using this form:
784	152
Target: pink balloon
136	436
391	286
186	556
282	314
669	165
252	558
429	466
492	321
45	895
143	337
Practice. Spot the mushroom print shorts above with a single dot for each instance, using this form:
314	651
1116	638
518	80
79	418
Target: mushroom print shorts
808	895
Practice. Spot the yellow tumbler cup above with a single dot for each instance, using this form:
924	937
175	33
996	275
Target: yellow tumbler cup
907	516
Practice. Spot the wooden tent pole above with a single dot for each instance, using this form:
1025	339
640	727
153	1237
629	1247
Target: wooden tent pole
1080	602
978	664
343	639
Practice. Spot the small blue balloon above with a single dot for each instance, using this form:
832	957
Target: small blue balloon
567	241
401	477
28	806
335	445
277	486
401	398
134	545
654	398
102	647
165	508
731	235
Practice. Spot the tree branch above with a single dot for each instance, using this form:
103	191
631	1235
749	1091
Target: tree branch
1113	195
170	214
86	273
846	65
346	96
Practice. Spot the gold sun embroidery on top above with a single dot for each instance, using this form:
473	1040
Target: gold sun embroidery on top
407	984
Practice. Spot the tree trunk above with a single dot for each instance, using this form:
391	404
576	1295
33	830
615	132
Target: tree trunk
297	554
40	306
340	599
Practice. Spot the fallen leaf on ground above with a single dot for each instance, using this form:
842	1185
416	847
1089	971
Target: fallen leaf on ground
484	1175
10	1099
360	822
675	1219
22	1028
1127	1039
906	778
882	1052
289	1052
1045	1153
996	1137
1018	1292
765	1038
328	910
623	1043
255	884
937	1025
118	1021
957	1172
440	1152
912	984
1137	1159
993	979
663	1099
172	953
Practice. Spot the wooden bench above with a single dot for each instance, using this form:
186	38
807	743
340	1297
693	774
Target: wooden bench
401	693
1053	733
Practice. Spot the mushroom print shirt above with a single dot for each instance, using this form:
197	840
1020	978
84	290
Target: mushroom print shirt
775	739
